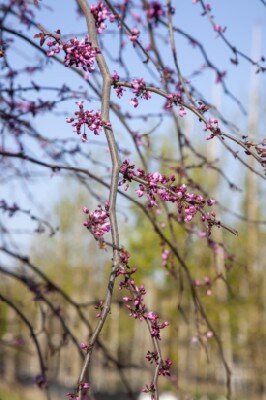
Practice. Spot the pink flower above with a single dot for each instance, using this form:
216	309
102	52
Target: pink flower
78	53
84	385
217	28
115	77
155	11
134	102
151	316
101	13
165	256
88	118
134	35
165	368
98	221
141	190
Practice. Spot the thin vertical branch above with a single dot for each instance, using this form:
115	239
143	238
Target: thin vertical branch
105	109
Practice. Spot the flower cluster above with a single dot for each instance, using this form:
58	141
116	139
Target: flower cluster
78	53
154	11
119	90
156	326
158	186
202	107
135	301
165	367
150	389
212	125
173	99
140	91
165	256
101	14
218	28
88	118
85	386
153	357
134	35
97	221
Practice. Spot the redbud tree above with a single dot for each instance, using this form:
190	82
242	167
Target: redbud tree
117	86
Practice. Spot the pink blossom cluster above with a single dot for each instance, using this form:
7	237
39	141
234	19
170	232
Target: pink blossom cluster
134	36
78	53
154	11
101	13
124	256
140	91
156	185
165	256
164	369
156	326
202	107
152	357
212	125
134	302
119	90
98	220
150	389
88	118
173	99
218	28
85	386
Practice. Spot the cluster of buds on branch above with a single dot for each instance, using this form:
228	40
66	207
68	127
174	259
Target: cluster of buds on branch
97	221
161	187
91	119
78	53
